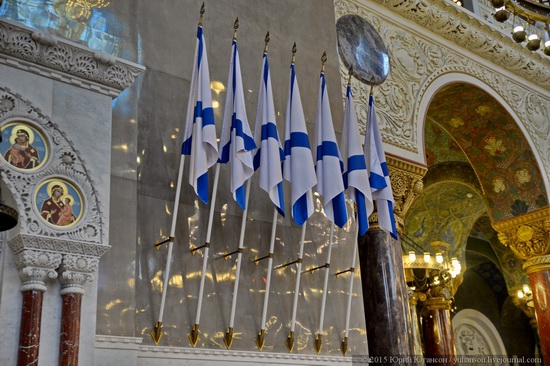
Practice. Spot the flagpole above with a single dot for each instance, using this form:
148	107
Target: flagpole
317	344
194	334
228	339
344	345
290	339
260	338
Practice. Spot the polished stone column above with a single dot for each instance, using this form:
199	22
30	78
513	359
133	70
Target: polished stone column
74	273
35	267
439	340
414	297
385	296
538	270
528	236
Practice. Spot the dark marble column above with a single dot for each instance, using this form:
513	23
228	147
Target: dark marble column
538	270
414	297
387	315
29	333
70	329
439	340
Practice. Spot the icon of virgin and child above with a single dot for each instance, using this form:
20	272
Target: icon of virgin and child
58	208
22	154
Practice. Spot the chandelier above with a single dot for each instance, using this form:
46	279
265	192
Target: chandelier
530	21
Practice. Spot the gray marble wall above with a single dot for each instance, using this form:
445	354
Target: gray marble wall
147	126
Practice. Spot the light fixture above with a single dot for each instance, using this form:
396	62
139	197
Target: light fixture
439	257
427	257
412	256
520	294
519	34
526	289
501	14
533	42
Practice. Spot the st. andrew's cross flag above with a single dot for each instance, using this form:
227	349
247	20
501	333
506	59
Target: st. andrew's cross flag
328	162
269	155
237	143
356	175
298	168
199	139
379	176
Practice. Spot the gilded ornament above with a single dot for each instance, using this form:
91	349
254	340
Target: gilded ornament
498	185
456	122
523	176
494	147
525	233
483	110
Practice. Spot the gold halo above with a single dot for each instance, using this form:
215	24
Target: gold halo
59	183
21	127
62	198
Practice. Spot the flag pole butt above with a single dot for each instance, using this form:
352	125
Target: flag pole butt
344	346
260	340
318	343
156	333
289	343
194	335
228	338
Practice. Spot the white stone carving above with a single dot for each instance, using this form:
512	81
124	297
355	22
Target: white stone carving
54	57
35	267
64	162
416	61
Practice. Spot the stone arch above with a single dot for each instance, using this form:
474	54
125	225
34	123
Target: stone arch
64	162
470	324
523	172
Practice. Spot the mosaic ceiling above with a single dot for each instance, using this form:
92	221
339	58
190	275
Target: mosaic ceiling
494	145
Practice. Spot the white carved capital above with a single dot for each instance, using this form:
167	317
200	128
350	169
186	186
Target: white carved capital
35	267
75	271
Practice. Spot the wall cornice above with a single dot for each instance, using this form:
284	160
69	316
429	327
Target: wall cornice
44	54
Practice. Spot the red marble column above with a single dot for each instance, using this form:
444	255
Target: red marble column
70	329
539	277
439	340
29	334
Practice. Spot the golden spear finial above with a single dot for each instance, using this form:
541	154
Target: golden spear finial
266	41
293	53
235	27
323	60
350	74
202	13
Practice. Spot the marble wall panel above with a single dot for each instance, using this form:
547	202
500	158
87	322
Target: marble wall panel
116	292
10	306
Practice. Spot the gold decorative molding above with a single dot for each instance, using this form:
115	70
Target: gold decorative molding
406	182
528	236
537	264
437	303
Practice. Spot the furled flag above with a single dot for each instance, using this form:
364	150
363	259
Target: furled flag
329	166
269	156
237	143
298	168
379	176
356	175
200	132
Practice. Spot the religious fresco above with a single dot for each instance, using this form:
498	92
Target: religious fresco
440	146
496	148
59	202
22	146
445	212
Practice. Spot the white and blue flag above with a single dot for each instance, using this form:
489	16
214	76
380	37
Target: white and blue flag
199	139
237	143
269	155
298	168
379	176
356	175
329	165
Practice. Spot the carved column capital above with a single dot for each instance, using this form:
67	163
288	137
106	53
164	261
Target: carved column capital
415	297
528	235
437	303
75	271
406	182
35	267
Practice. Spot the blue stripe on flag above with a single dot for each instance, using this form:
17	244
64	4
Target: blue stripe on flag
392	219
249	143
207	115
239	197
327	148
269	130
339	209
385	170
202	187
377	182
299	210
355	162
362	218
297	139
186	146
257	158
199	56
281	205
